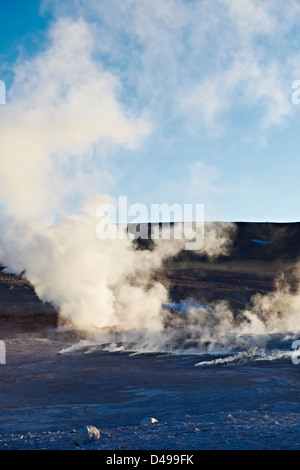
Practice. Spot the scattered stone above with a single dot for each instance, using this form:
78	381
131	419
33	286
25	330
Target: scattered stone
227	417
230	417
86	434
147	420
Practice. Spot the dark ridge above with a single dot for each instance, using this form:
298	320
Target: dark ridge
254	241
250	268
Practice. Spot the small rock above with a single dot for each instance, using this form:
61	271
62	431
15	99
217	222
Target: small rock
86	434
230	417
147	420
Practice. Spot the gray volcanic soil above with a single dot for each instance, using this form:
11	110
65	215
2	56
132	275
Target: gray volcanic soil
45	395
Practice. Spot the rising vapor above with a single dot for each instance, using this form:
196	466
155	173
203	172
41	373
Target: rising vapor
63	115
63	120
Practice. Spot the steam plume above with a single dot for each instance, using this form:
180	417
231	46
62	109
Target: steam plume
64	115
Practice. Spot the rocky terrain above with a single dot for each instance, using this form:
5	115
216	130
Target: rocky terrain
49	389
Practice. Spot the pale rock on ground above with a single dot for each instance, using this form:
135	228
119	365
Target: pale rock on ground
86	434
148	420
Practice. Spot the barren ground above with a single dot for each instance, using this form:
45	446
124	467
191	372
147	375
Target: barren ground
45	396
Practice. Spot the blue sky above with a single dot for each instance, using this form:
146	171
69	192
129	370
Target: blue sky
201	89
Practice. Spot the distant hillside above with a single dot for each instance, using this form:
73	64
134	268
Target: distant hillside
259	242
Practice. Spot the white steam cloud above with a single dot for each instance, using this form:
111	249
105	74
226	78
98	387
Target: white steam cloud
62	105
63	117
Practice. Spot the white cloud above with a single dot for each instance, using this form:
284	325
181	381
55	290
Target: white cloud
62	105
197	61
203	180
250	16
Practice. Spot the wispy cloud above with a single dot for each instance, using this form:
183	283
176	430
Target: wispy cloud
203	180
62	105
197	61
